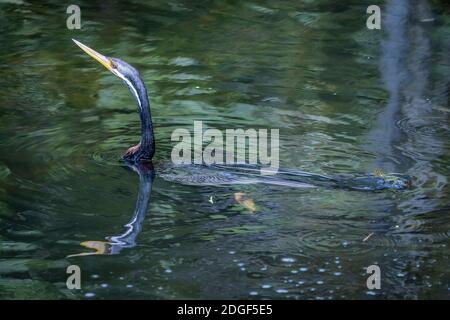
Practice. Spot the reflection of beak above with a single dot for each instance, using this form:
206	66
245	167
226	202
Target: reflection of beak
105	61
100	247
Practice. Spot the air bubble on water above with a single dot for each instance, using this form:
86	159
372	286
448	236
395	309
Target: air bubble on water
321	270
104	285
266	286
303	269
89	294
129	286
337	274
253	293
281	291
288	260
319	282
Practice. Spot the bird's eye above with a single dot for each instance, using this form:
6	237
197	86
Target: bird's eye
113	64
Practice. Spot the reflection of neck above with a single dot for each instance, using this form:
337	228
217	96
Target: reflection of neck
127	239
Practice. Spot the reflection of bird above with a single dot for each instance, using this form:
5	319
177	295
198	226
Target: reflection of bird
214	175
145	150
127	239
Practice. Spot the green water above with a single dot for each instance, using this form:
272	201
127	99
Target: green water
346	100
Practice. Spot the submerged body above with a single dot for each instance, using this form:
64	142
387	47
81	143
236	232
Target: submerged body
216	175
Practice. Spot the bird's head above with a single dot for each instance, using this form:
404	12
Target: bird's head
145	149
121	69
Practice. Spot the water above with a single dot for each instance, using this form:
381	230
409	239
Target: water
346	99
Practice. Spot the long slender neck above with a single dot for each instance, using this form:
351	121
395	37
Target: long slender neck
147	137
147	144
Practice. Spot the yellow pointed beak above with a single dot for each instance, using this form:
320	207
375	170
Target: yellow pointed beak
105	61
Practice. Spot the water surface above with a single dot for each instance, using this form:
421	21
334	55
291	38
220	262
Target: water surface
347	100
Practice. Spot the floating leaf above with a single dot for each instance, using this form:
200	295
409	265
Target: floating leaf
248	203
